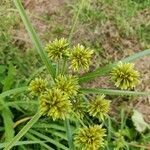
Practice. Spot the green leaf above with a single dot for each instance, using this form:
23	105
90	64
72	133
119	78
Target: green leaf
8	121
2	68
9	79
2	72
69	134
57	134
48	139
23	106
2	145
13	91
106	69
31	137
49	126
113	92
139	122
35	39
23	131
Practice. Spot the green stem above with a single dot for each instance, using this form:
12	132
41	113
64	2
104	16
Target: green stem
35	39
23	131
58	68
69	134
64	66
113	92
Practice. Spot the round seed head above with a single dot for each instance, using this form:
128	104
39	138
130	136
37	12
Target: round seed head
80	58
68	84
124	76
37	86
90	138
99	107
55	104
57	49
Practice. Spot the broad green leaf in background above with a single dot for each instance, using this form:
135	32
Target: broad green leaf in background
139	122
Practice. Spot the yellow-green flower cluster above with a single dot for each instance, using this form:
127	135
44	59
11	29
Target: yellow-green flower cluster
37	86
68	84
80	58
57	49
124	76
90	138
56	104
99	107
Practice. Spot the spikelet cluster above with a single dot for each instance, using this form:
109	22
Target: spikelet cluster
37	86
99	107
90	138
80	58
68	84
124	76
57	49
65	98
55	104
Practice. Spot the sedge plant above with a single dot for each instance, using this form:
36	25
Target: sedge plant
61	97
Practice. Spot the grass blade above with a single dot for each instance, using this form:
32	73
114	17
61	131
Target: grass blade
69	134
23	131
2	145
33	138
47	126
13	91
75	20
35	39
106	69
48	139
113	92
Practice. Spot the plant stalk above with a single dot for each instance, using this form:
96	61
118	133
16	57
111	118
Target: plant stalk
35	39
69	134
